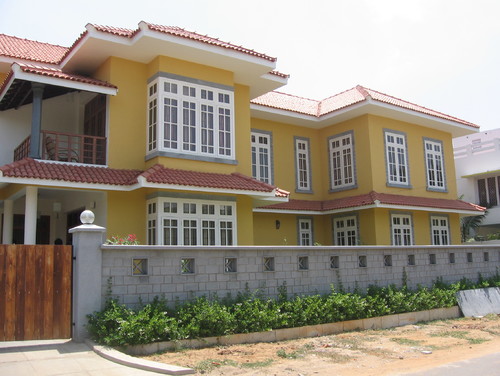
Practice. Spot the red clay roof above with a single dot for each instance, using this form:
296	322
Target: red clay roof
31	50
163	175
371	199
35	169
57	73
342	100
177	32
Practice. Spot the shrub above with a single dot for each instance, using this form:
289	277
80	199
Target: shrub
118	325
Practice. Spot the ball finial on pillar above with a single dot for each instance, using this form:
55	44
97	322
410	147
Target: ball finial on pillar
87	217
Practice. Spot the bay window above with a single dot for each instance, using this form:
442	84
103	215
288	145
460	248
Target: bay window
190	118
191	222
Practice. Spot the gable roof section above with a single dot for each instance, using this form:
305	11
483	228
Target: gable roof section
348	98
16	88
31	50
372	200
51	173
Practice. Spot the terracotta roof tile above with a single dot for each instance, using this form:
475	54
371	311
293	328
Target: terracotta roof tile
31	50
33	169
57	73
372	198
183	33
342	100
163	175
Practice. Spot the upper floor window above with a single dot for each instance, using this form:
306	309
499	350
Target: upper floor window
434	164
305	231
190	118
261	156
191	222
396	159
440	230
401	228
345	231
302	164
341	153
488	191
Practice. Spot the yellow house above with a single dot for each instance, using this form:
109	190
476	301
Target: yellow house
181	139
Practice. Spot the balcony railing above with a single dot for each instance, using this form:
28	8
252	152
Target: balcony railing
67	147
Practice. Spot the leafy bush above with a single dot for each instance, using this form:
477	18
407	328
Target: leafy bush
118	325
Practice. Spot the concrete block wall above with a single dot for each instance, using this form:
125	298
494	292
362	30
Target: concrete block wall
163	276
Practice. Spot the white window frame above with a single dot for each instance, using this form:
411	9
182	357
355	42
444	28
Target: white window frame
440	230
192	222
345	230
262	160
342	161
191	118
401	229
434	165
305	231
302	165
396	156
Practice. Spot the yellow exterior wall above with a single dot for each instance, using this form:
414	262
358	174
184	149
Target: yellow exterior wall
244	219
127	214
416	157
2	77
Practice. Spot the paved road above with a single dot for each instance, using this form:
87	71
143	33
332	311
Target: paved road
488	365
57	358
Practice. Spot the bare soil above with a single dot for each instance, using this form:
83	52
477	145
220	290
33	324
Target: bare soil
396	351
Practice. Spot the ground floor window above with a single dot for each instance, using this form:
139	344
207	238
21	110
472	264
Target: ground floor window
345	230
401	228
191	222
305	231
440	230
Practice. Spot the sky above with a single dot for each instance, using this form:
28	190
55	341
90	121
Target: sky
440	54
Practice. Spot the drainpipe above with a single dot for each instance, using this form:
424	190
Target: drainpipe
36	119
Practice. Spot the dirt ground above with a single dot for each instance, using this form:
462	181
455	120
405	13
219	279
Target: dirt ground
396	351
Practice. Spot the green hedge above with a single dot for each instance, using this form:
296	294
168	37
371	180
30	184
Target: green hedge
118	325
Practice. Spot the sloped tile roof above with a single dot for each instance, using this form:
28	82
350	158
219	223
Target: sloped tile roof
177	32
31	50
342	100
29	168
374	198
163	175
57	73
34	169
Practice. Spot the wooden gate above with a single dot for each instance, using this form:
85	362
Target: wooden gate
35	292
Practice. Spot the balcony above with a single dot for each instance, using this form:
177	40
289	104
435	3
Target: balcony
66	147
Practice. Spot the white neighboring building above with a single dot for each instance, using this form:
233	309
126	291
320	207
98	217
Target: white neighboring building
477	163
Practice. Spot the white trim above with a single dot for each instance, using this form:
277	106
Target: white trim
367	106
364	207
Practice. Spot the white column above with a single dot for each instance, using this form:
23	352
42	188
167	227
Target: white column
8	220
30	214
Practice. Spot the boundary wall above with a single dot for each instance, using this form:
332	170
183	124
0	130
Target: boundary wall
136	274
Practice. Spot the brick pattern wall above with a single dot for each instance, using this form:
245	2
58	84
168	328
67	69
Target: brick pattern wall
139	273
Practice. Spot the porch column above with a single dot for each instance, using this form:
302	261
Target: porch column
8	220
30	214
36	119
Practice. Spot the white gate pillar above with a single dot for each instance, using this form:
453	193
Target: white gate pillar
87	272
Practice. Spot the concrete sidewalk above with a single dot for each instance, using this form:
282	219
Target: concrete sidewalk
58	357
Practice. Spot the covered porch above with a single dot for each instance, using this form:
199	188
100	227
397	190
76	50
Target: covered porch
50	115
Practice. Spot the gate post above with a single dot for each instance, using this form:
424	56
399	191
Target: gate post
87	272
